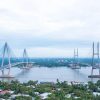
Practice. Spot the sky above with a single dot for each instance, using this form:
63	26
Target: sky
50	28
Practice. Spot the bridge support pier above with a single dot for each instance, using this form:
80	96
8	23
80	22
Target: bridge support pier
6	75
3	72
9	72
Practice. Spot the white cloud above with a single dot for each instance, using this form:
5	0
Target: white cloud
55	20
56	52
35	14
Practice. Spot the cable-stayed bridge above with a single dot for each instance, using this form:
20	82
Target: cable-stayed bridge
6	54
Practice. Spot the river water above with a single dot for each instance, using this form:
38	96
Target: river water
45	74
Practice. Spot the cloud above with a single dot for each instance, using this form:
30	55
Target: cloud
50	24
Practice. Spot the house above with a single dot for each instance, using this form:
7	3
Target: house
44	95
3	92
16	95
96	93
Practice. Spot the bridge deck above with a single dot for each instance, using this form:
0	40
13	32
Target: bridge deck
6	76
15	64
94	76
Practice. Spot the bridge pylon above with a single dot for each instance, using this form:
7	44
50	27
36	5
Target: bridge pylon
95	64
26	64
6	50
75	64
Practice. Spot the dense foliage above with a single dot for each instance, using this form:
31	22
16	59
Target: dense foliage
58	90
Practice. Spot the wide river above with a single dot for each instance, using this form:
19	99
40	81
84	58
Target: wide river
45	74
